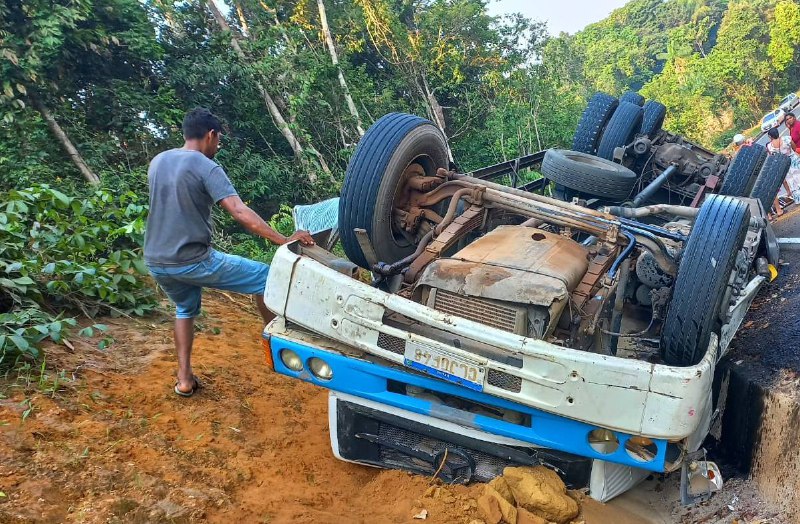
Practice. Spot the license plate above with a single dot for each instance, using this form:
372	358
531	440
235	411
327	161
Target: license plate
444	365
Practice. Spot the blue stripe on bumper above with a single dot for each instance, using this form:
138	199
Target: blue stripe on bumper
367	380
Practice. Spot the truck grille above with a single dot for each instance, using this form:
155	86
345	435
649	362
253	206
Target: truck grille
486	466
391	343
476	309
503	380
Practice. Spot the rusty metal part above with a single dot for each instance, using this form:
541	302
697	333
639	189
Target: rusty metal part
460	226
580	211
444	191
329	259
453	207
385	269
512	264
532	222
424	183
655	209
708	187
591	282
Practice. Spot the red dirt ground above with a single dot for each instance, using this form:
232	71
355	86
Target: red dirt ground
115	444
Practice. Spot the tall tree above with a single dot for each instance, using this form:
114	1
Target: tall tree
275	113
326	31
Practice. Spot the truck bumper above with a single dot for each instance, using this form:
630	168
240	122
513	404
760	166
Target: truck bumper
401	389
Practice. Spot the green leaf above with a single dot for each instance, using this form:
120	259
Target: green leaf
140	266
2	495
24	281
49	269
101	327
20	342
64	199
86	332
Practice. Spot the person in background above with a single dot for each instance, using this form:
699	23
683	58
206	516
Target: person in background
739	141
783	145
793	126
185	184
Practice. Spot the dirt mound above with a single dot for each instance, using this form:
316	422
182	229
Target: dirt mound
108	441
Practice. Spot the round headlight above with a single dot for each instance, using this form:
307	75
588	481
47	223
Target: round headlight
320	369
291	360
603	441
641	449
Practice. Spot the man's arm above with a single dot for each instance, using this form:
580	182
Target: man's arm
250	220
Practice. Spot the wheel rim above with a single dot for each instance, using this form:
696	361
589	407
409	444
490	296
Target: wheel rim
422	165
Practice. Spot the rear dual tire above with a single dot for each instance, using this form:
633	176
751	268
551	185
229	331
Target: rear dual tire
740	177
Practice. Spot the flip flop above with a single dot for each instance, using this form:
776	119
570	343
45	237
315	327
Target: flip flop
194	389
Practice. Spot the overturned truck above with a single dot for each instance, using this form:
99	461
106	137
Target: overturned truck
505	327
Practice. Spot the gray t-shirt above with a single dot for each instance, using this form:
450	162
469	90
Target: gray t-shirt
184	186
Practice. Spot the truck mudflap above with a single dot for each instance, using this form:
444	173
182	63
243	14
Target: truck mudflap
399	388
398	437
661	402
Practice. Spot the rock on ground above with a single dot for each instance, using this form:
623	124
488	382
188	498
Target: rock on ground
541	492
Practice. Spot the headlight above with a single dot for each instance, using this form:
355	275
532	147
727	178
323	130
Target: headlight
603	441
291	360
641	448
320	369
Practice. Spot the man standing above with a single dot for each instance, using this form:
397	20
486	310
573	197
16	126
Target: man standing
184	185
794	129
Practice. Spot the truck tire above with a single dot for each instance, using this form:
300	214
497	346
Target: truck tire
373	177
743	170
769	179
593	120
632	97
620	130
708	259
653	118
588	174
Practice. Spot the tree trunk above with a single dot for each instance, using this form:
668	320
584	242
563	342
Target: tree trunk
274	112
65	142
335	59
436	111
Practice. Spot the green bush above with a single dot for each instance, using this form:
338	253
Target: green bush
61	256
250	246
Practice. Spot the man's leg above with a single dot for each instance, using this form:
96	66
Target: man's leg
187	299
184	337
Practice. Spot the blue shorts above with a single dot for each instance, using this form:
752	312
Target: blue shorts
183	284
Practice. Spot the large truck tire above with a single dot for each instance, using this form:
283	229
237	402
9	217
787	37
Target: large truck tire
620	130
769	179
593	120
653	118
374	177
703	275
741	174
588	174
632	97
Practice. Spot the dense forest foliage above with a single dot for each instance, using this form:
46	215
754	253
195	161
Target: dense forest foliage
93	89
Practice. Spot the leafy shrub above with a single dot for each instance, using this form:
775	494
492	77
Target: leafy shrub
250	246
60	256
